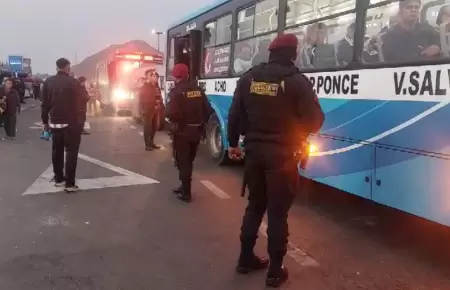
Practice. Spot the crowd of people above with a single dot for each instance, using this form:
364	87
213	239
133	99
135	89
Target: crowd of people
13	91
12	95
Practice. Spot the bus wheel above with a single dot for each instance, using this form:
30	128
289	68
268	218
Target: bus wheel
215	142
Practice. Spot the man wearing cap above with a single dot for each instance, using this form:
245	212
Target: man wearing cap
188	109
150	100
276	108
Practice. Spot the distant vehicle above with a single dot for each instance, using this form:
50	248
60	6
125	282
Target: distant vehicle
114	82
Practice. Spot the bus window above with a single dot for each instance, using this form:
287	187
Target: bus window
209	36
399	34
439	16
266	18
171	59
299	12
251	52
218	32
216	56
326	44
224	25
257	19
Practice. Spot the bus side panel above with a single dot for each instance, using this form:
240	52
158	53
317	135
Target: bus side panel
221	105
413	183
350	171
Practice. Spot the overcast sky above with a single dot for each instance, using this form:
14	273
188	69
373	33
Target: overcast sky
45	30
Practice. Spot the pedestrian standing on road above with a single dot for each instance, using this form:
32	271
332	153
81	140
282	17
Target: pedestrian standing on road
150	100
188	110
37	89
62	98
11	107
84	101
276	108
20	87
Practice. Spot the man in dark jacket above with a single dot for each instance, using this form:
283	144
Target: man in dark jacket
150	100
276	108
19	86
11	106
62	98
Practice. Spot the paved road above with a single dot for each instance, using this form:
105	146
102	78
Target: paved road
140	237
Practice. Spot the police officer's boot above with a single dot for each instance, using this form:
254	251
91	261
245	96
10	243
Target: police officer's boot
251	264
248	261
185	194
178	190
277	274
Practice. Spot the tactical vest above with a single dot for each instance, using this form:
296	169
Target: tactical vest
270	108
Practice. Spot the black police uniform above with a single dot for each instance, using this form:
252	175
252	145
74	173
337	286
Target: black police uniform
150	99
188	109
63	100
278	109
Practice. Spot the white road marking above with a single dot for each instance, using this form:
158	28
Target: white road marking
35	127
133	127
141	133
87	126
294	252
43	183
215	189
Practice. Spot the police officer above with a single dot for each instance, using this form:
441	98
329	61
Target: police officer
150	100
188	109
276	107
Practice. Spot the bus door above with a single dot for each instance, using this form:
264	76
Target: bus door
188	50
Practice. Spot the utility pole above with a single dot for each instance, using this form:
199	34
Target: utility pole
158	33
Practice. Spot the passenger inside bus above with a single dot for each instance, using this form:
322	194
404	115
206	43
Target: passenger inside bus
318	53
243	59
442	21
263	52
418	41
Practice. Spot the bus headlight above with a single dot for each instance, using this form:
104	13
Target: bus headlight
120	95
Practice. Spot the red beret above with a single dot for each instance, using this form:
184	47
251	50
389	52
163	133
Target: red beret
284	40
180	70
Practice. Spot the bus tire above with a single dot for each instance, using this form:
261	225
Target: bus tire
215	142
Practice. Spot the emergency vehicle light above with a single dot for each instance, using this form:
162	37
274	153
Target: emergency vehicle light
132	56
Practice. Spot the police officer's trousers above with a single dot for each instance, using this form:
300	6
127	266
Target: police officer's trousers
185	152
272	179
150	121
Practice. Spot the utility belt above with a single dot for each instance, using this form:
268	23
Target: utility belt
192	132
301	155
